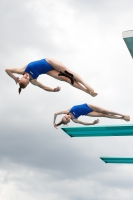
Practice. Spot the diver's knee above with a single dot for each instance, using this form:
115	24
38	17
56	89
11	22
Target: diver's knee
65	79
104	111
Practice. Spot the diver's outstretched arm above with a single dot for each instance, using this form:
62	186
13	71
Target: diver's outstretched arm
86	123
36	83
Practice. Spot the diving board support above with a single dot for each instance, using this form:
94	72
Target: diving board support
119	160
128	38
99	130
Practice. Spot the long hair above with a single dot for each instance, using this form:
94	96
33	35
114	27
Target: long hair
21	86
61	122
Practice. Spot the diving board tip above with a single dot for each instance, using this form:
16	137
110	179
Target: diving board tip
119	160
128	38
99	130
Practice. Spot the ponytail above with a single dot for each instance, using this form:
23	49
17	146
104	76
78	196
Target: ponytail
19	90
59	123
21	85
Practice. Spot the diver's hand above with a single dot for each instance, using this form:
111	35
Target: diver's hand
57	89
17	79
96	121
55	126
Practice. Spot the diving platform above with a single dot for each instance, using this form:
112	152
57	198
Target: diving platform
128	38
99	130
120	160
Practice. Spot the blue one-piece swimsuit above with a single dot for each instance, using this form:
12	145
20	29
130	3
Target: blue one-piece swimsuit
38	67
79	110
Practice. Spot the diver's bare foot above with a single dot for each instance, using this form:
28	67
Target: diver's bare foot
93	94
91	91
126	118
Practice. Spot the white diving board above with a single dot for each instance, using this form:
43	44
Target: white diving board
100	130
115	160
128	38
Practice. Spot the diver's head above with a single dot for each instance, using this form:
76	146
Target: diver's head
24	81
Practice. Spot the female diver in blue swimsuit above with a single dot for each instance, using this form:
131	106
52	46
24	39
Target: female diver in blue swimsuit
52	68
88	110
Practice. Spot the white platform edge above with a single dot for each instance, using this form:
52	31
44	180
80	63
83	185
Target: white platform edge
126	34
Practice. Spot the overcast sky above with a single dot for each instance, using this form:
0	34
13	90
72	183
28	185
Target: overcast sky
37	161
